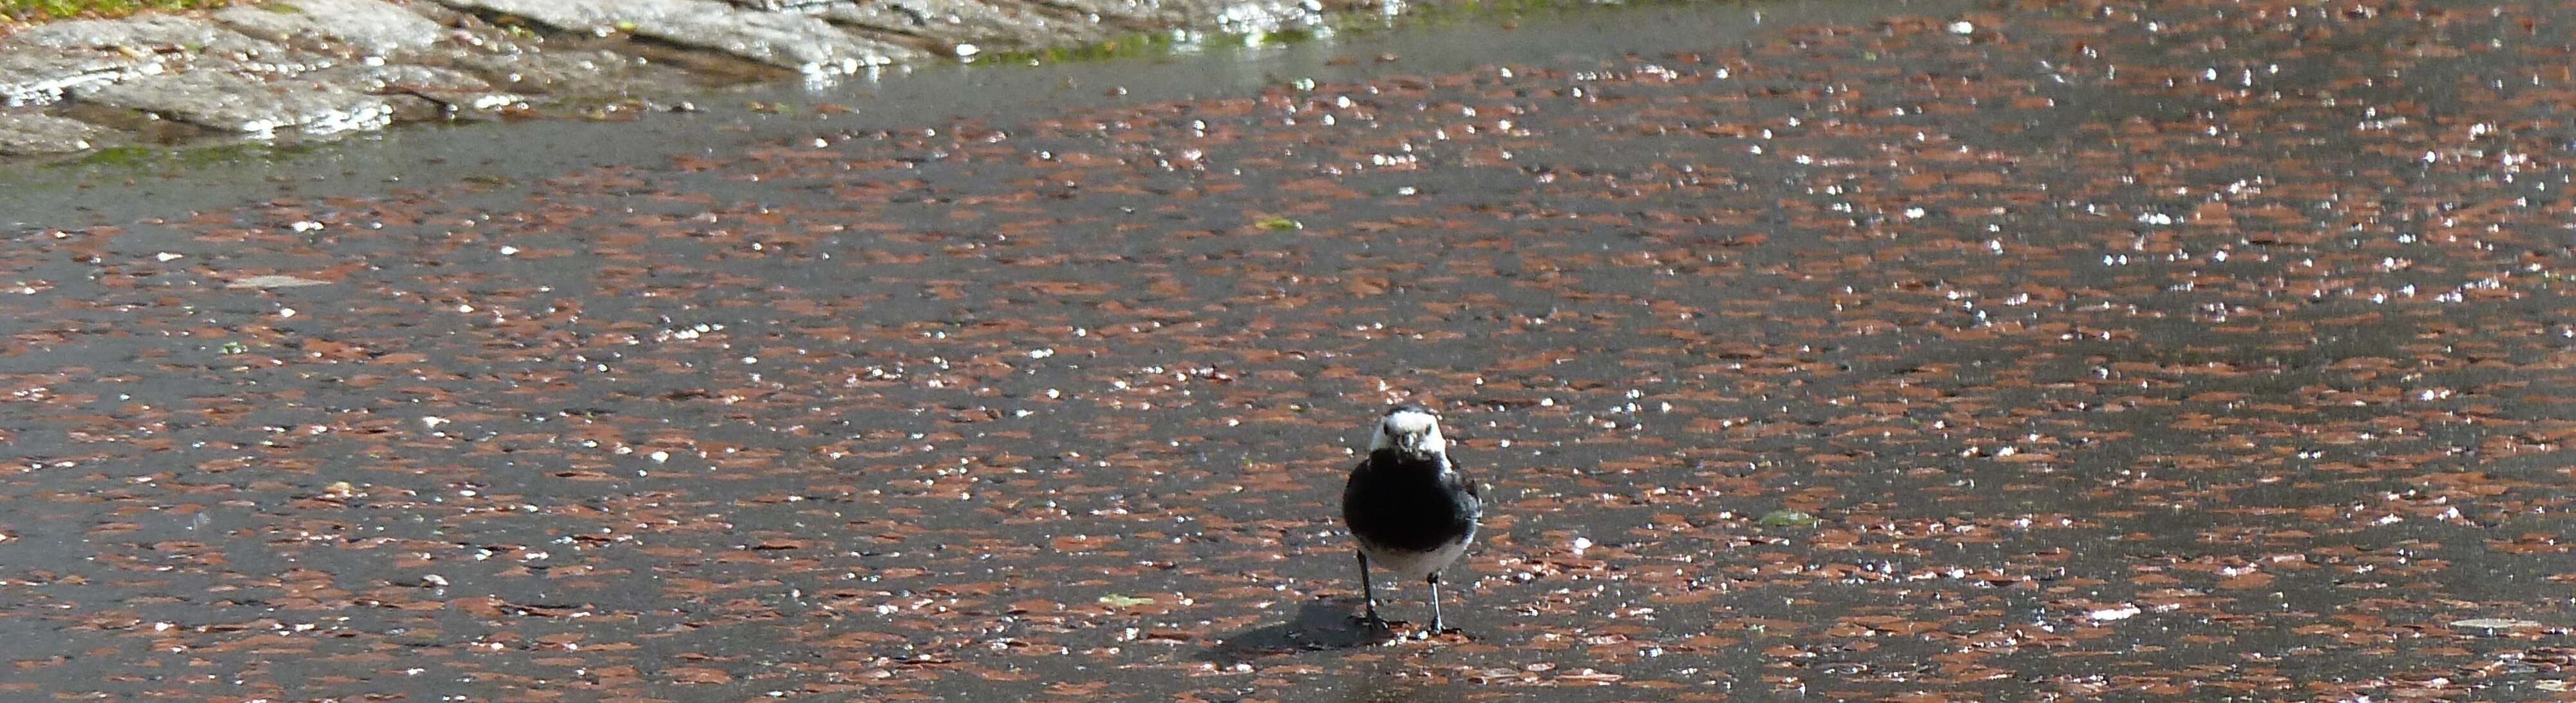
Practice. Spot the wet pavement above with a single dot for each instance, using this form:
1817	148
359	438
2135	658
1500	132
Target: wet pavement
1971	352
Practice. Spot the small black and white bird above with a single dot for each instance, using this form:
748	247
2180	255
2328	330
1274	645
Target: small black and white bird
1407	506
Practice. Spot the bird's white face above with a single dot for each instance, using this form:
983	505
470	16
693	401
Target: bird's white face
1413	431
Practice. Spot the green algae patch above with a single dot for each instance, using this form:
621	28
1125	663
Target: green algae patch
40	10
1789	518
1141	44
145	157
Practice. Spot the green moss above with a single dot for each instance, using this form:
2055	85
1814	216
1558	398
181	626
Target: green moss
1789	518
1129	46
118	156
1118	601
148	157
40	10
1289	35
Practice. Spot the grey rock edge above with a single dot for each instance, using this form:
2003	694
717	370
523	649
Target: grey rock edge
312	68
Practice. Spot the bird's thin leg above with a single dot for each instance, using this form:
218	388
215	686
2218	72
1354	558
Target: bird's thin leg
1368	591
1435	602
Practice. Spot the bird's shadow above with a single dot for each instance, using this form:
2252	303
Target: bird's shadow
1320	624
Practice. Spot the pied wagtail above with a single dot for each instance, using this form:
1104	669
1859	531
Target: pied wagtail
1407	506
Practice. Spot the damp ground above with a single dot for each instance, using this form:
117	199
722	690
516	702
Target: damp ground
1956	352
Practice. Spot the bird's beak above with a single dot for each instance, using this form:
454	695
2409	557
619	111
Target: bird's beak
1411	442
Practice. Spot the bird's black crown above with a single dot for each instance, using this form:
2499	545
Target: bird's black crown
1411	407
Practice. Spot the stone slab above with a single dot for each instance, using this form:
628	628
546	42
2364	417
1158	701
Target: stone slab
1229	16
370	26
592	73
161	38
29	133
445	86
40	62
801	42
968	27
38	75
796	41
244	102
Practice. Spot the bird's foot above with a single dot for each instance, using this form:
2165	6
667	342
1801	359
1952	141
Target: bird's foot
1436	633
1372	621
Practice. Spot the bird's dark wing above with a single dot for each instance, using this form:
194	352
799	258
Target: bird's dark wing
1350	487
1475	501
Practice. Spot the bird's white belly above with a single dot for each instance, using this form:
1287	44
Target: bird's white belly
1411	565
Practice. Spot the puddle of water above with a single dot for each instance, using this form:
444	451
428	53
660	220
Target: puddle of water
130	184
